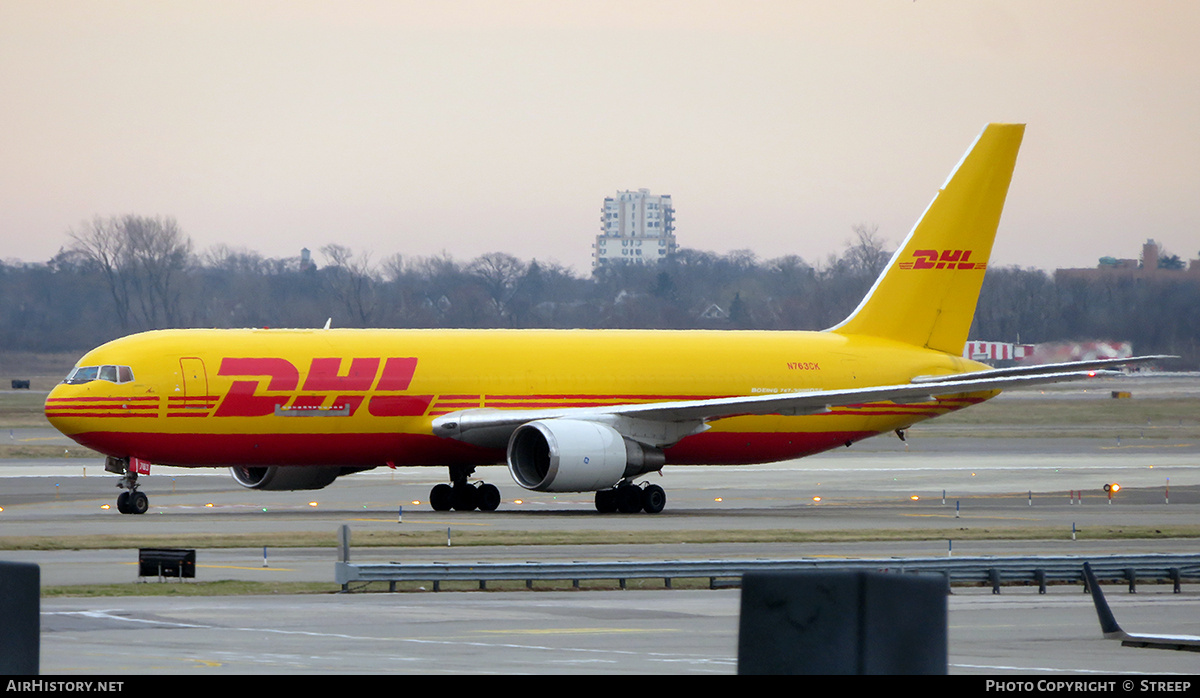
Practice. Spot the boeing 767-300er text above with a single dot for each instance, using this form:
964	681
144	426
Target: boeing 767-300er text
568	410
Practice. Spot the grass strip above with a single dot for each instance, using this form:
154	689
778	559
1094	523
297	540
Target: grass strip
437	537
173	587
186	588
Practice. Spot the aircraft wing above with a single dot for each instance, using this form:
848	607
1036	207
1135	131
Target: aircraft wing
1113	631
665	423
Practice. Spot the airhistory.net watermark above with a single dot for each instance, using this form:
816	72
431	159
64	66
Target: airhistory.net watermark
43	686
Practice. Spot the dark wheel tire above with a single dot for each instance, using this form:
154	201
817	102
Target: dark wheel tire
654	498
123	502
139	503
606	501
441	497
489	497
465	498
629	499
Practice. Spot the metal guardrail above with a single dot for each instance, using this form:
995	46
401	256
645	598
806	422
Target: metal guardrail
996	571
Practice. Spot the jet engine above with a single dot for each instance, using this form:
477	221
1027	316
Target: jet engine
295	477
566	455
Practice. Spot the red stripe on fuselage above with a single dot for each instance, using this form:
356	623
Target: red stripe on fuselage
213	450
69	400
123	414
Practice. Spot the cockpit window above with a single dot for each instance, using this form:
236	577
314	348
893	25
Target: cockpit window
112	374
83	374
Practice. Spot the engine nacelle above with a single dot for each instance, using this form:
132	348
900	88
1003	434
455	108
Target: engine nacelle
566	455
277	477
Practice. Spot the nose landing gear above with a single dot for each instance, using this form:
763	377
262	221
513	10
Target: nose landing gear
132	500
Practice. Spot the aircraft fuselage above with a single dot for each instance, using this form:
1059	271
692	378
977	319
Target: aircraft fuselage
366	398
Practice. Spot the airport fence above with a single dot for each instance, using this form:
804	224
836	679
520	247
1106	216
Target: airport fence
977	571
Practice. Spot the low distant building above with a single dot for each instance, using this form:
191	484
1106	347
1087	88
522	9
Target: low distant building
1152	266
1005	354
1059	352
993	352
636	227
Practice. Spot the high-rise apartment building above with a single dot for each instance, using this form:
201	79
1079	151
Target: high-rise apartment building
636	227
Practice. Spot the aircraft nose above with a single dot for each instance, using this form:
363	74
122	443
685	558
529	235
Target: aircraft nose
48	406
57	407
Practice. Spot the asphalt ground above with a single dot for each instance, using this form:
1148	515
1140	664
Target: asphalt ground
601	631
679	632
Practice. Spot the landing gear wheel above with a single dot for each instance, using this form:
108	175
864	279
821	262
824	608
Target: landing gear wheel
606	501
629	499
441	497
139	503
464	497
654	498
488	497
130	501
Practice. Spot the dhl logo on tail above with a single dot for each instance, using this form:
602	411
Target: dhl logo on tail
947	259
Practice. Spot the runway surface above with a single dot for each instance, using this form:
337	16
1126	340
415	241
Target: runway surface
988	483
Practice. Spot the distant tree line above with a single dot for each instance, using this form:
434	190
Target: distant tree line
130	273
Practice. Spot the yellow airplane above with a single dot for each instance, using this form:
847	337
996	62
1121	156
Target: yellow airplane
568	410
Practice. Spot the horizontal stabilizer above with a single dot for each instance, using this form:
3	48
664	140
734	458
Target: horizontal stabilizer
1068	367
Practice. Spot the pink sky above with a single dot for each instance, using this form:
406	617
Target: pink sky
470	127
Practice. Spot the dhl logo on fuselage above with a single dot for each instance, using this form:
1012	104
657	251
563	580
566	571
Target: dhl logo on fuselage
946	259
284	394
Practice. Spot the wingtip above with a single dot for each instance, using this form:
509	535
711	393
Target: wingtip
1108	622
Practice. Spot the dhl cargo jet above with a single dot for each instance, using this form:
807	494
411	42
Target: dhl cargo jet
568	410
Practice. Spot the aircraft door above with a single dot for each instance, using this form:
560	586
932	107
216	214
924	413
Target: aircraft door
195	381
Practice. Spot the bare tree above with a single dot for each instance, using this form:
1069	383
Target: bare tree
142	260
144	266
100	243
499	273
233	260
353	279
867	253
158	253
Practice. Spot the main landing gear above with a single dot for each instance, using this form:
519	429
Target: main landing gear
628	498
461	495
132	500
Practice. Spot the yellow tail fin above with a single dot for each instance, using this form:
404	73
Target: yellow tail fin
926	296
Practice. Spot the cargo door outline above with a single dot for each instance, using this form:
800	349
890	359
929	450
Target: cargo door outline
195	401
